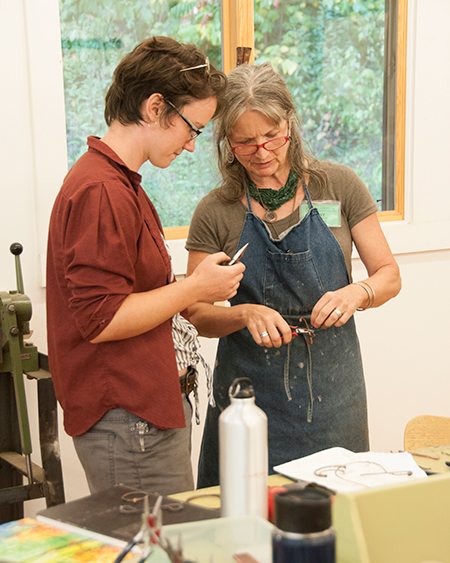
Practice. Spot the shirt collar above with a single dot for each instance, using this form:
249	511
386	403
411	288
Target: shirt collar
98	145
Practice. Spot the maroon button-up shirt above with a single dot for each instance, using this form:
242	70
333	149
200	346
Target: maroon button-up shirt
104	243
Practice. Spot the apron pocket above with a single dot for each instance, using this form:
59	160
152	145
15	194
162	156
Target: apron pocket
292	282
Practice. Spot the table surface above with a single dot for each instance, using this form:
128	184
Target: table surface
210	497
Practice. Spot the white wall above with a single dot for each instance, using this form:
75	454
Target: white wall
404	343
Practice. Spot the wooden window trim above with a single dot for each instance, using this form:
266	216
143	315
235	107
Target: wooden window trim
238	20
238	31
173	233
398	213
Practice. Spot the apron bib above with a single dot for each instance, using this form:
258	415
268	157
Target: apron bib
313	394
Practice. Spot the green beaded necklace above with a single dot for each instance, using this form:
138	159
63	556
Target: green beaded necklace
273	199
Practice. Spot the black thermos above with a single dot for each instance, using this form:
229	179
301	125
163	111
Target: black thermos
303	531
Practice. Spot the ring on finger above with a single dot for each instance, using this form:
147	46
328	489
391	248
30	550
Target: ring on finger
263	334
338	312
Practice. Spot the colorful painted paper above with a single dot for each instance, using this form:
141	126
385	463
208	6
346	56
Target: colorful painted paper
30	541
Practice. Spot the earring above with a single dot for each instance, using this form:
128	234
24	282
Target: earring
229	157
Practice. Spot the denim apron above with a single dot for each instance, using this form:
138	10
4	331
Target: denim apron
313	394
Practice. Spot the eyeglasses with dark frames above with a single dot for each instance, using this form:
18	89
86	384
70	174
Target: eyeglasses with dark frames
270	145
195	131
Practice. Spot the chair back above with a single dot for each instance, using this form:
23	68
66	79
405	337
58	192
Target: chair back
426	431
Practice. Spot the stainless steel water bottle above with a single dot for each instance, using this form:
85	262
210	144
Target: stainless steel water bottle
243	457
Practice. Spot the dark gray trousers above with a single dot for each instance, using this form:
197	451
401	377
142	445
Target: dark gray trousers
124	449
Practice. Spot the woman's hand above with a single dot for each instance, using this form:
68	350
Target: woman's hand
267	326
335	308
214	280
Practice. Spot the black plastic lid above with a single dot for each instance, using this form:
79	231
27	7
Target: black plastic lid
303	511
241	388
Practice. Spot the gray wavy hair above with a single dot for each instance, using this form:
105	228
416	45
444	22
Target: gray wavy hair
258	88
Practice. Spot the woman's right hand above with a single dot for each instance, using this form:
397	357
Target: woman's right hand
267	326
215	281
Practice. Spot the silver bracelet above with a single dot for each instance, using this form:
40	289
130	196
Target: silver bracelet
370	294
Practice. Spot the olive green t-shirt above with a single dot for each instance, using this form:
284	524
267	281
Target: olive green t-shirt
217	225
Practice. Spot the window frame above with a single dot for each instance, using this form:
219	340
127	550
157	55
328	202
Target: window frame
425	227
398	213
238	32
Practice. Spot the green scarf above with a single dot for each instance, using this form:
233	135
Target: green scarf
273	199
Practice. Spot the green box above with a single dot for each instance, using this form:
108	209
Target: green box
405	523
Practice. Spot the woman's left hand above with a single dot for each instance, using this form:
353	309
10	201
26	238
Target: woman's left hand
335	308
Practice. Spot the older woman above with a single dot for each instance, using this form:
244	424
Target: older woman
300	217
110	296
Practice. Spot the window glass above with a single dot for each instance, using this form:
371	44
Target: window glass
95	36
332	55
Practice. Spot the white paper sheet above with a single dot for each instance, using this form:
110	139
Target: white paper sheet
343	470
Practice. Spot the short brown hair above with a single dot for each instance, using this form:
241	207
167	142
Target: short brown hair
154	66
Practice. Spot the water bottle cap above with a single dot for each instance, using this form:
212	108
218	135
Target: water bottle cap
241	388
303	511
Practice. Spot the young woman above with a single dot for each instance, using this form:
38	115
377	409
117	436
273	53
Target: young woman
110	296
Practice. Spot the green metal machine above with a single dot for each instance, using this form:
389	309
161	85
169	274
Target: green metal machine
19	357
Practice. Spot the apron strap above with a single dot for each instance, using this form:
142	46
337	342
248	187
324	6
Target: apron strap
249	203
307	196
309	375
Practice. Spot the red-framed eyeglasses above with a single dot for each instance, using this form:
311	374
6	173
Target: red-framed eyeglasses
270	145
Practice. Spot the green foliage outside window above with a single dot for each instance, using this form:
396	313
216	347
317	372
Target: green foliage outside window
330	52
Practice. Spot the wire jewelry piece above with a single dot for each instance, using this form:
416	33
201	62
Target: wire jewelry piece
133	498
341	471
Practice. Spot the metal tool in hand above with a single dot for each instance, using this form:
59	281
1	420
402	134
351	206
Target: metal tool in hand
239	254
304	328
